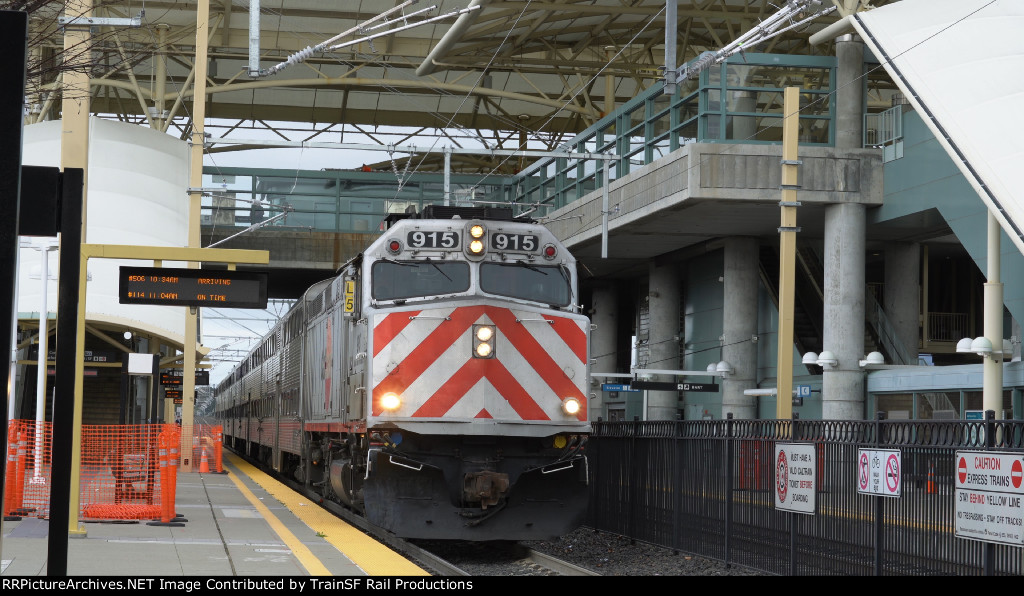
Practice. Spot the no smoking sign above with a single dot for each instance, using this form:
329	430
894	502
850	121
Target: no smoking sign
879	472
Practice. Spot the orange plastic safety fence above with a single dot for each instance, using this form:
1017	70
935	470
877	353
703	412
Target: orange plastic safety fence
27	482
206	447
120	473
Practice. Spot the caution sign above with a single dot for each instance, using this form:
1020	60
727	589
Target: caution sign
879	472
989	495
795	477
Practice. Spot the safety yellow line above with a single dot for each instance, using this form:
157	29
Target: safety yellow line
303	554
369	555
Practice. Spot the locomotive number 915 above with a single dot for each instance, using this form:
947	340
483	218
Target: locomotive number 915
437	384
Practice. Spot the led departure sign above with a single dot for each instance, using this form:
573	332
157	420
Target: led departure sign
192	287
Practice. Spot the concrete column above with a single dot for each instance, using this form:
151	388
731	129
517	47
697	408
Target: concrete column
665	297
849	92
739	326
843	334
603	343
744	127
902	294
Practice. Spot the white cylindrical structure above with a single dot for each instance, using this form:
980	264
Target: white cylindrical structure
992	367
44	356
138	179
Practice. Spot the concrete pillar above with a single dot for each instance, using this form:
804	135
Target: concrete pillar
664	291
739	326
744	127
849	92
603	344
902	294
843	333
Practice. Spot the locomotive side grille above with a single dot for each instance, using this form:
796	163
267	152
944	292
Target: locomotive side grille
315	306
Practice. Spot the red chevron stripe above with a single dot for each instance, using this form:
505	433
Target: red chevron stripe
430	349
389	328
538	357
449	394
425	354
571	334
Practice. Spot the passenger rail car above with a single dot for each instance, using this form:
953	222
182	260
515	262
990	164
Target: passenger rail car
437	385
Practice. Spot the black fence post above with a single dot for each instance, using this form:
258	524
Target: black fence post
879	510
793	516
728	485
14	41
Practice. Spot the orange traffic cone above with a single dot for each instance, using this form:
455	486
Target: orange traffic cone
931	489
204	464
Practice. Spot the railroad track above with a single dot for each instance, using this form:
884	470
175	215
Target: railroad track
446	558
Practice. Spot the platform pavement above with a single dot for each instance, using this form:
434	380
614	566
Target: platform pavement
239	523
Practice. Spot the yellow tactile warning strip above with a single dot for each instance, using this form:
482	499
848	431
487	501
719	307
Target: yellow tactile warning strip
371	556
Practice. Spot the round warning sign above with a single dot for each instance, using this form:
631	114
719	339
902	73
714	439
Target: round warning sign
878	472
782	476
795	477
892	473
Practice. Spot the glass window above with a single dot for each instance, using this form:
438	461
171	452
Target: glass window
397	280
548	284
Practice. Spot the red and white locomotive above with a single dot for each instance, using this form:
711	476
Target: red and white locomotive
437	384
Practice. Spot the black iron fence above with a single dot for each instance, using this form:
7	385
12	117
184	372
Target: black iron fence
709	488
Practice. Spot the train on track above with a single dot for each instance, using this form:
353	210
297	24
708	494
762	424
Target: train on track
437	385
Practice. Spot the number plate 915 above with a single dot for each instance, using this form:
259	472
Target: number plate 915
502	241
420	239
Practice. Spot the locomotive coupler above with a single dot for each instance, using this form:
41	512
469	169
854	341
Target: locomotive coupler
486	488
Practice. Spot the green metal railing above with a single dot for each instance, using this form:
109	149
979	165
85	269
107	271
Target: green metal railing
738	101
329	201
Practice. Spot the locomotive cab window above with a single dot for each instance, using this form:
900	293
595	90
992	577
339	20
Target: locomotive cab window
399	280
547	284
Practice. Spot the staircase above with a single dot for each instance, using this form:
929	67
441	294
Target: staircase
808	304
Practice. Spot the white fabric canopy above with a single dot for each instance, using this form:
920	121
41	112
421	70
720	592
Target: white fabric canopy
961	65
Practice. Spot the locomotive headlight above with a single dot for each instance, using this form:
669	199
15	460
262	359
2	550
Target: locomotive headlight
476	247
483	341
390	401
571	406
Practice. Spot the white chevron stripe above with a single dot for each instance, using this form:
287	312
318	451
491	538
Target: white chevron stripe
482	395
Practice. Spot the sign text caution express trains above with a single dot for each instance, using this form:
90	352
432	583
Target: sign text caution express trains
989	496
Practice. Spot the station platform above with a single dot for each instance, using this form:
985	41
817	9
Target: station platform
240	522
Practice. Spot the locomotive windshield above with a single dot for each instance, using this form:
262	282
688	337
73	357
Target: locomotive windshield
547	284
398	280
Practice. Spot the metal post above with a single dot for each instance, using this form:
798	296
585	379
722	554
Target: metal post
879	511
66	421
254	38
728	484
787	252
606	168
188	379
42	364
671	23
447	175
793	516
14	41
